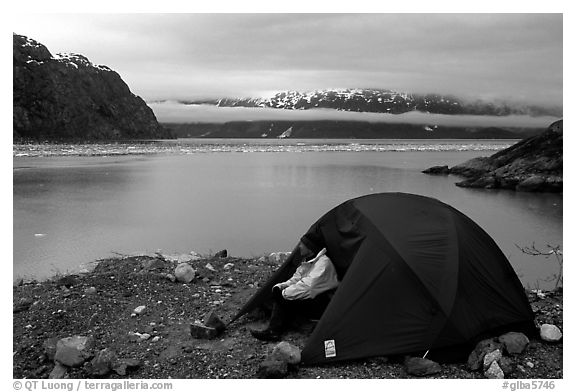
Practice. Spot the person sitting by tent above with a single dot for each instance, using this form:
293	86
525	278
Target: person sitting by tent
307	292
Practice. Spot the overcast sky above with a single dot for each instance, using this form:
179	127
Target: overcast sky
179	56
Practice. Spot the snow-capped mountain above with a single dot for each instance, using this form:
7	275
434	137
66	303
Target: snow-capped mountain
381	101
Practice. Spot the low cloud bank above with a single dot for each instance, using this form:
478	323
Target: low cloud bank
179	113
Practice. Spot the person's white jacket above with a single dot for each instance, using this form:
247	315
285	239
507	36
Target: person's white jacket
310	279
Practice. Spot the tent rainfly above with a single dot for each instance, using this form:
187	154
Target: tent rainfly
416	276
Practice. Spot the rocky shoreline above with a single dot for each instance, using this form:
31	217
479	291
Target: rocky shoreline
534	164
132	317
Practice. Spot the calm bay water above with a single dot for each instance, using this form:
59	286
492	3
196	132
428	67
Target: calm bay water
249	197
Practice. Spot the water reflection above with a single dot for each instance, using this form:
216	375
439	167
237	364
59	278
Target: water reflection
248	203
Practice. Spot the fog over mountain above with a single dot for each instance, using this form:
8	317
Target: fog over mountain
171	111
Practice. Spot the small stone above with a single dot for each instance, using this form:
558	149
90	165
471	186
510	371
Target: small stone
550	333
200	331
530	364
184	273
491	357
494	371
521	368
145	336
272	368
421	366
514	342
221	254
170	277
90	291
284	351
93	320
139	310
227	266
212	320
210	267
155	339
58	372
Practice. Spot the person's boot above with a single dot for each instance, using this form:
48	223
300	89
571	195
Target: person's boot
275	328
267	335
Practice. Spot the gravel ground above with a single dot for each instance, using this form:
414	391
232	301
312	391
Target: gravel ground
66	306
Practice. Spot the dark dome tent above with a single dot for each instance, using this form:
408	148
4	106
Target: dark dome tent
416	276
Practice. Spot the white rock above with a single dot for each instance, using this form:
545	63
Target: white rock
550	333
494	371
184	273
491	357
139	310
228	266
90	291
278	257
210	267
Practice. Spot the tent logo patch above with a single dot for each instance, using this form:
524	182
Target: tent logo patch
329	348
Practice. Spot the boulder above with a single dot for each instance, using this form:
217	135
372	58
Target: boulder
102	362
421	366
200	331
73	351
550	333
272	368
494	371
514	342
476	357
490	357
221	254
59	371
286	352
184	273
531	184
212	320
